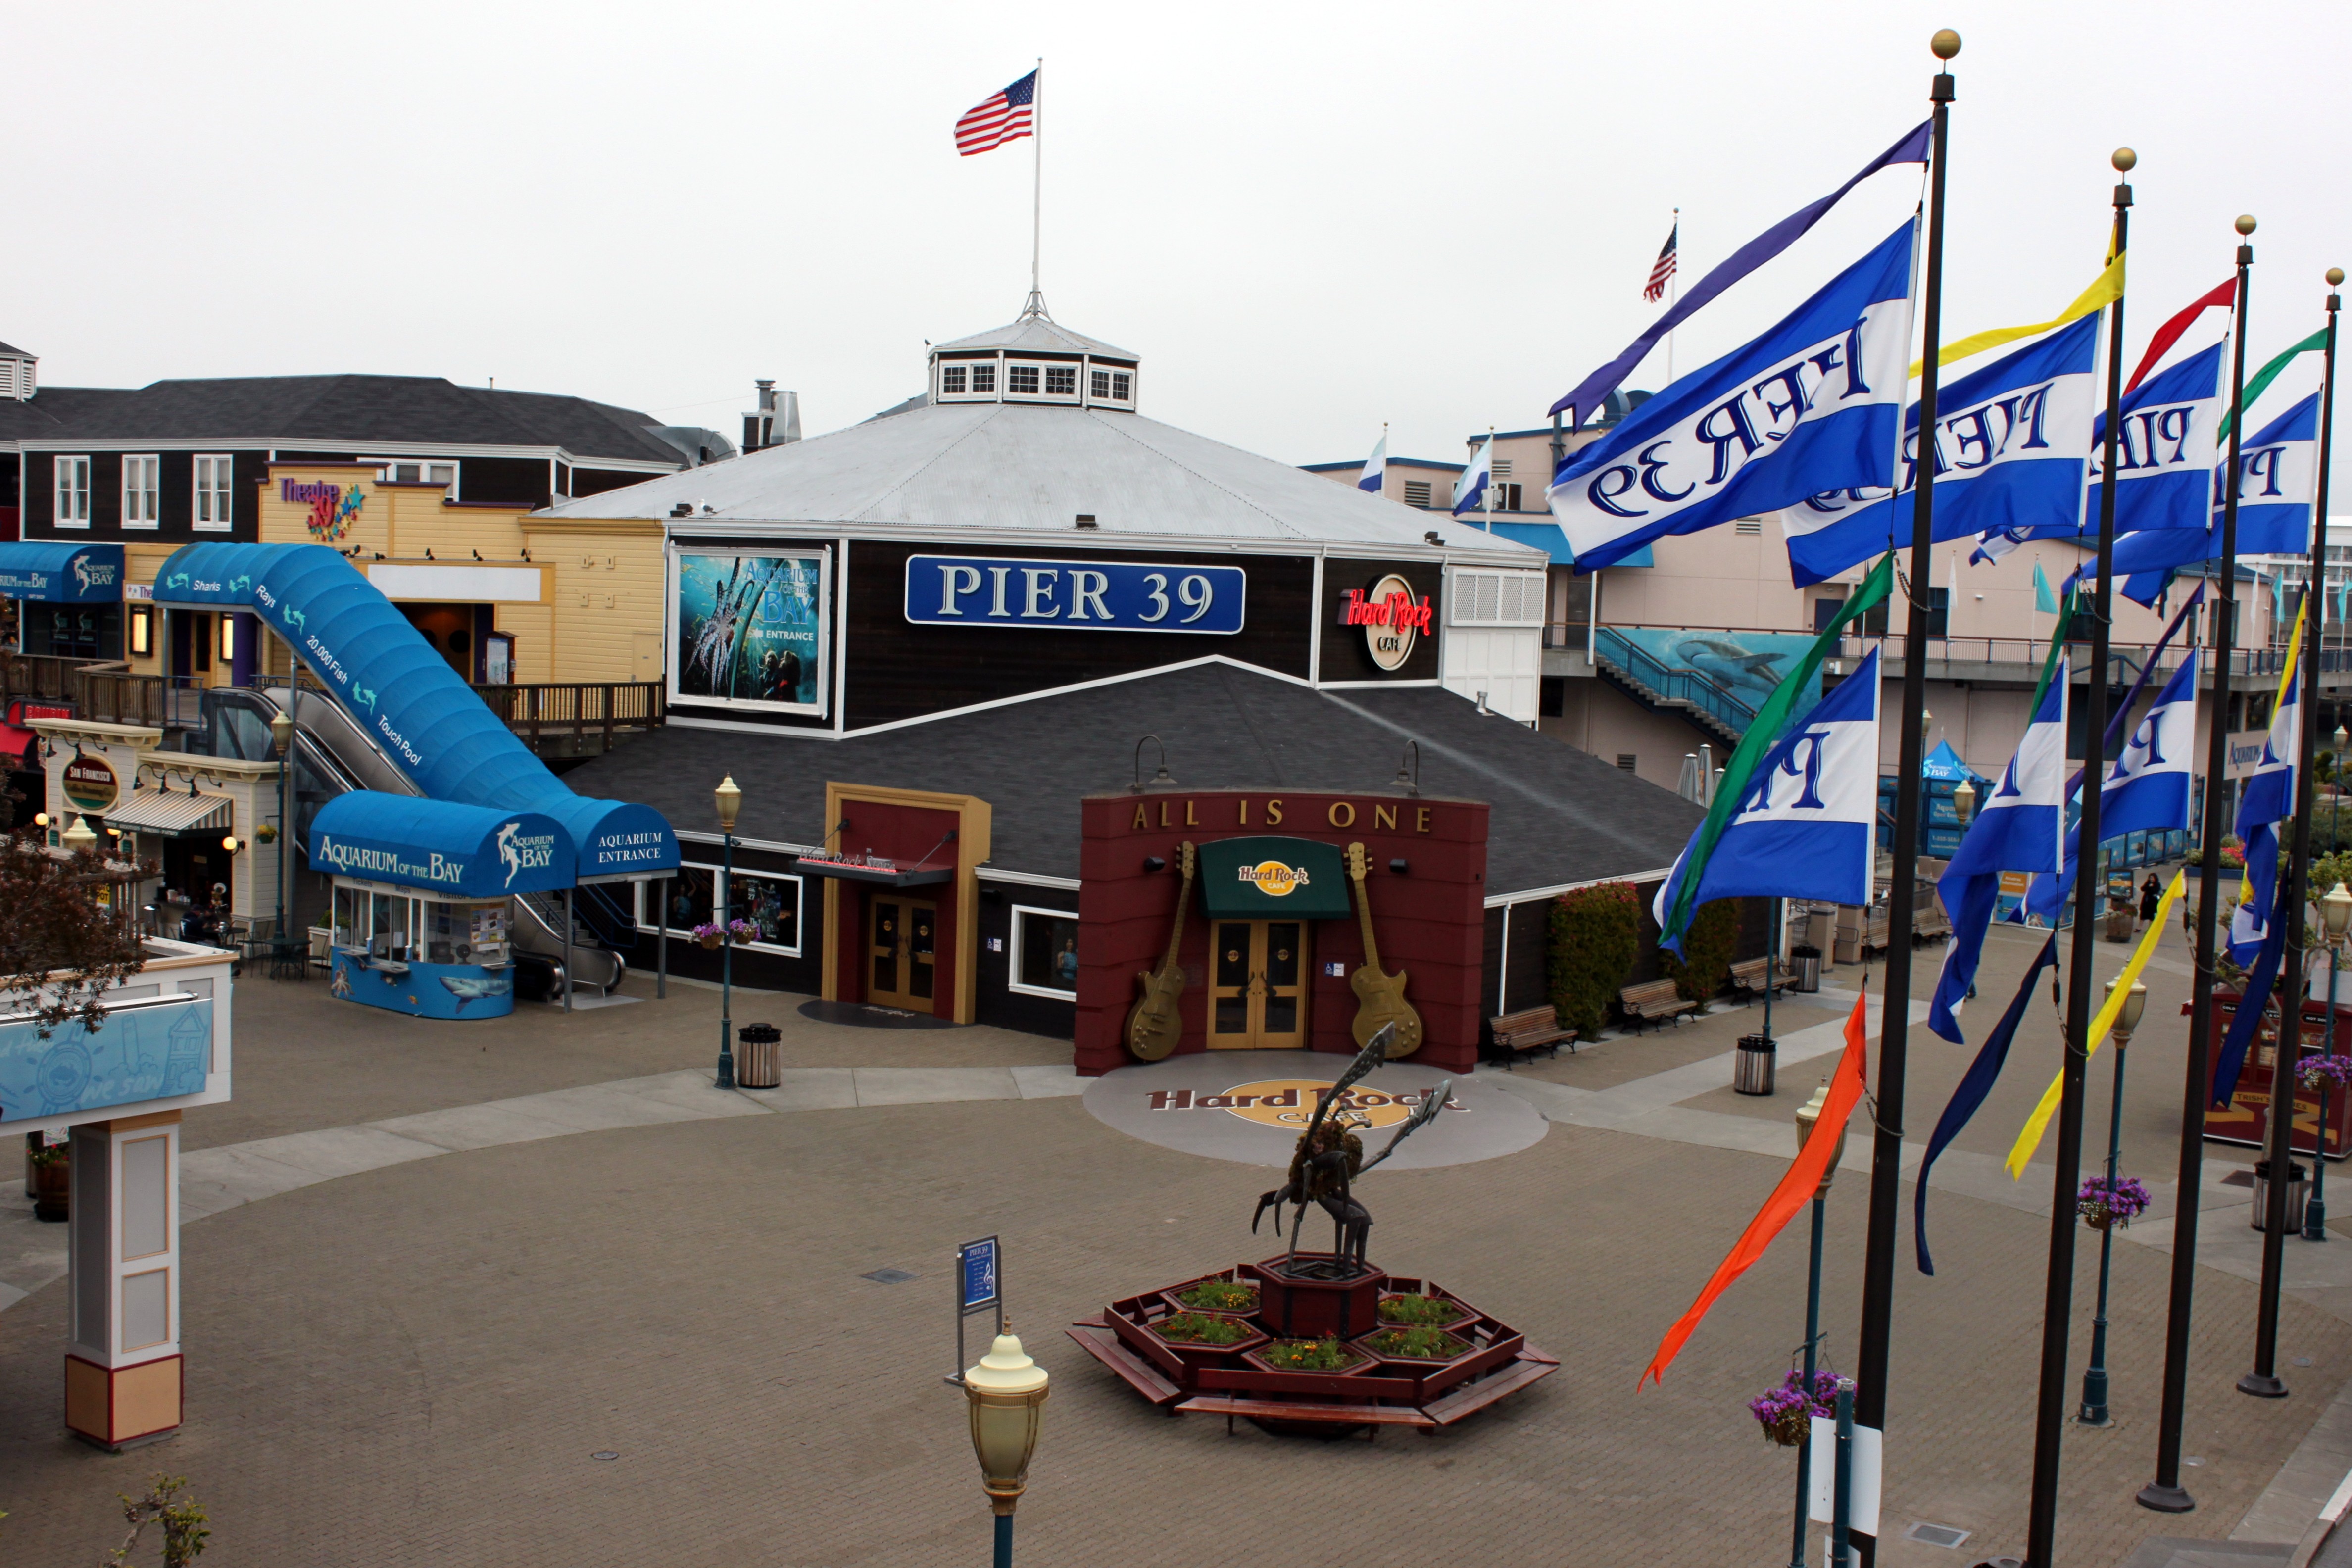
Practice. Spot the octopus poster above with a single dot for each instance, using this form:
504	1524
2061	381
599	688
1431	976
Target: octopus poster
750	630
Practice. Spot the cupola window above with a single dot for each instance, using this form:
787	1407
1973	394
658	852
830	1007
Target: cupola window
1020	379
951	380
983	378
1062	381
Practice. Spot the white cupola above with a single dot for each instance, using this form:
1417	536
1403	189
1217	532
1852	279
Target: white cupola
16	374
1035	360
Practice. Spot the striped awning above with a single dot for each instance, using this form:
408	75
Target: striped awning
170	813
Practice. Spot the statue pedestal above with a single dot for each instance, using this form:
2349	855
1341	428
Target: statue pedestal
1310	1306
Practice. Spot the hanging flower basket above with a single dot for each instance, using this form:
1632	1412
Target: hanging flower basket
1786	1413
711	934
2328	1071
742	930
2101	1207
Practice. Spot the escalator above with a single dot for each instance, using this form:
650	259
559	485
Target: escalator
332	755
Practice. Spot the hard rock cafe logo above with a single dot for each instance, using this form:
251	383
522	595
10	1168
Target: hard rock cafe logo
1273	878
1391	618
1290	1102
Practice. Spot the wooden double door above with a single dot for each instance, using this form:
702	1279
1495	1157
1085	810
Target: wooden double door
901	951
1258	990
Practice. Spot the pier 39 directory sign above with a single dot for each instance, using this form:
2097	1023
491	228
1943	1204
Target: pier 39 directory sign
1075	596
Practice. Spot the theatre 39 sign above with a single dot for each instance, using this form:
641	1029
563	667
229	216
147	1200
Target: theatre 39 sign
1075	596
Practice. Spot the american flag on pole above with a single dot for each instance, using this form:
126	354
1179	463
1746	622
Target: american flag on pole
1004	117
1663	267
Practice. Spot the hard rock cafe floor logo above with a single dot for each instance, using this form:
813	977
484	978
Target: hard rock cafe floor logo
1273	878
1290	1102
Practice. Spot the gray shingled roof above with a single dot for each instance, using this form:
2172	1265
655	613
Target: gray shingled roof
1560	815
1037	334
336	411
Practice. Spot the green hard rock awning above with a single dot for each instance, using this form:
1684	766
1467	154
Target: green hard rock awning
1273	877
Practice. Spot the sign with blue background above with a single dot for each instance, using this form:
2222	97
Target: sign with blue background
151	1052
1075	596
61	574
976	1263
457	851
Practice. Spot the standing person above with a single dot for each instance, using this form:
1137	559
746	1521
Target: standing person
2150	892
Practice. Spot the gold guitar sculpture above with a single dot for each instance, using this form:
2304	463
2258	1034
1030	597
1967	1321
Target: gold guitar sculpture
1379	997
1155	1024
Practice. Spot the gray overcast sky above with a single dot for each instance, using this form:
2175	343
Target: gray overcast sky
1307	220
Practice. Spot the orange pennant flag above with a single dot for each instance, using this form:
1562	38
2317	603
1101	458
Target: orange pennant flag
1795	1189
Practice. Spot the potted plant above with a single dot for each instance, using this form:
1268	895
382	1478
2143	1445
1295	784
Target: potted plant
711	933
1426	1308
1786	1412
742	930
2103	1207
52	1182
1207	1339
1214	1293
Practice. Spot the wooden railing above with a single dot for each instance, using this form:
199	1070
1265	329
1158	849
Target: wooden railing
576	719
102	690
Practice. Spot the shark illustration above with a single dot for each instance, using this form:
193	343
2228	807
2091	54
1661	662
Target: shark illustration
341	984
240	584
467	991
1729	663
177	580
509	855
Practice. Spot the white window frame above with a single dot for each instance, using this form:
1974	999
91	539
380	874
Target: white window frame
800	905
1034	368
387	467
62	466
222	472
1122	376
1071	369
961	373
1013	974
149	464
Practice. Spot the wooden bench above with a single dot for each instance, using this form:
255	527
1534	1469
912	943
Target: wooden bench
1526	1033
1652	1003
1755	977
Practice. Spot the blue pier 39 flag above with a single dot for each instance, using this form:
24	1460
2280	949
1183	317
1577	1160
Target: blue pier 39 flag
1807	828
2013	445
2278	475
2021	828
1810	406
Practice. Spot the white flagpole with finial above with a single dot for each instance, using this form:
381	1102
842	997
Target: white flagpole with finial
1675	292
1488	495
1037	187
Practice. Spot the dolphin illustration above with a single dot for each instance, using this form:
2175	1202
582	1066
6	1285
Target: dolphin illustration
1725	659
365	698
239	584
294	619
467	991
177	580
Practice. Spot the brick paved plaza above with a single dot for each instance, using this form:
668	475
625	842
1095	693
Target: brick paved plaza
417	1362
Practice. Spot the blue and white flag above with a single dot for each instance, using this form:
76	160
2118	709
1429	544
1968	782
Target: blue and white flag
2163	450
2013	445
1470	489
2278	477
1808	828
1811	406
2021	828
1376	467
2268	793
2146	790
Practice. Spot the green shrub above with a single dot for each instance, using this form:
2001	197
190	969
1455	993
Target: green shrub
1707	946
1596	935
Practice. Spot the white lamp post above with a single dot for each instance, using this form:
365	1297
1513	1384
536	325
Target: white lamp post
1006	1394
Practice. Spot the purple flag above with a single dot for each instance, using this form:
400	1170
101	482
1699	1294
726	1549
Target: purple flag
1587	398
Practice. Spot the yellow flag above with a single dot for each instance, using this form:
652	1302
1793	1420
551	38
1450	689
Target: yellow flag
2030	1138
2106	291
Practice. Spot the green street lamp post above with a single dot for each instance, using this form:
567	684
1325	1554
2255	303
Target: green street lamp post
2336	919
1807	1115
2095	1376
729	801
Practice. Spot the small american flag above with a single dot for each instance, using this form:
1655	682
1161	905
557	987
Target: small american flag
1004	117
1661	270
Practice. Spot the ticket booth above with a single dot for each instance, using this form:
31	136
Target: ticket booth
423	894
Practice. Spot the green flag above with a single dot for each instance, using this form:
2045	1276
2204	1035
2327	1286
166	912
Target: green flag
1763	733
2043	599
2269	373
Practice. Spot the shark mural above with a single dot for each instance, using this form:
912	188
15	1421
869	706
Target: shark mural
1745	666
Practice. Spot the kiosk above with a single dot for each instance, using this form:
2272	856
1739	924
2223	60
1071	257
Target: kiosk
423	898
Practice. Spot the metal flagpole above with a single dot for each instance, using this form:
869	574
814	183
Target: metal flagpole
1037	184
1488	495
2296	988
2090	893
1674	292
2315	1210
1895	1019
2165	1494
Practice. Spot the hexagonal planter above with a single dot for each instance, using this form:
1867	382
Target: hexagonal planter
1196	1352
1175	1298
1462	1312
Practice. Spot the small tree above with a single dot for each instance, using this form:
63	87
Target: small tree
59	953
1707	948
1596	934
182	1518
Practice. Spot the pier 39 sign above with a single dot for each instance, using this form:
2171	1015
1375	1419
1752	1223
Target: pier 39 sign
1075	596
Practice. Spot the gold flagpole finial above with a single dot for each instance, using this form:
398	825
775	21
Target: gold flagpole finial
1945	43
2335	277
2125	160
2246	222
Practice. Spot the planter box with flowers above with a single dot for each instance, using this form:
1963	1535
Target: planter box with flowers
1215	1293
1207	1339
711	934
2102	1207
1425	1308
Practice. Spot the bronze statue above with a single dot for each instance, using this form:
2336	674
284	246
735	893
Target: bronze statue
1328	1158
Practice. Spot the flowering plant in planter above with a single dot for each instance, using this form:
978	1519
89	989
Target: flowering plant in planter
742	930
1786	1412
1308	1356
1202	1327
709	933
2101	1206
1416	1345
1419	1310
1219	1296
2327	1071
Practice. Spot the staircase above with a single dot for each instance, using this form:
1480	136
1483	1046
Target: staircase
1685	694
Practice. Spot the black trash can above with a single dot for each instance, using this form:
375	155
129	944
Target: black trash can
1807	963
756	1064
1751	1065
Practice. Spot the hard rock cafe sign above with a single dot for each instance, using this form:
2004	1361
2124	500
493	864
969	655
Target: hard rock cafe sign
1391	617
1290	1102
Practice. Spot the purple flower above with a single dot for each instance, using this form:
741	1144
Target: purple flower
1788	1403
2101	1206
2333	1071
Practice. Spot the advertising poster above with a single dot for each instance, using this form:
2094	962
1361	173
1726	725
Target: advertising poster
1743	666
750	630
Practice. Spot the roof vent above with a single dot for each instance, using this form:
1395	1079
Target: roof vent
1086	520
1432	537
683	509
776	422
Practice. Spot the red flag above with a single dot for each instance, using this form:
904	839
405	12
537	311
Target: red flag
2170	333
1795	1189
